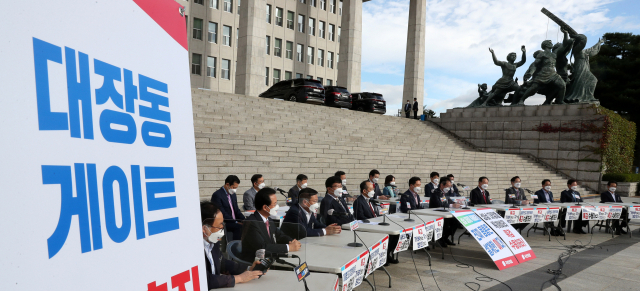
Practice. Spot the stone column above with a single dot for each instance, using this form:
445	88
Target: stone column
414	62
349	63
250	72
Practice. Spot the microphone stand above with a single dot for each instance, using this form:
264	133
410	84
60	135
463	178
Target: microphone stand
469	198
409	218
384	220
355	244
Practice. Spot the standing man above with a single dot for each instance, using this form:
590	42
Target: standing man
515	189
429	188
480	195
342	176
301	183
257	183
407	109
374	175
227	201
362	207
544	194
439	199
611	196
415	108
304	213
333	201
411	199
572	195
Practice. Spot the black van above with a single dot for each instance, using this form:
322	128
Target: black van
369	102
297	90
336	96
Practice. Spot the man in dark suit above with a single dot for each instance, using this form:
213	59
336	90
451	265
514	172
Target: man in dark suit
544	194
572	195
333	201
304	213
363	208
433	185
301	183
480	195
221	272
439	199
415	108
255	233
342	176
611	196
227	201
407	109
411	199
374	175
454	190
515	192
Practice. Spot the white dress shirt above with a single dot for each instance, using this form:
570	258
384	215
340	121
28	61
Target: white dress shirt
207	250
264	220
308	214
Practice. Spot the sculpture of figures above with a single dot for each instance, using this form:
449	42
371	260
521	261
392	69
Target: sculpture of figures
506	83
483	95
562	50
544	79
583	82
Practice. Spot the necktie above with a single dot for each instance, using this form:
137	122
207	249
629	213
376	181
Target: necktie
484	197
233	214
267	225
372	211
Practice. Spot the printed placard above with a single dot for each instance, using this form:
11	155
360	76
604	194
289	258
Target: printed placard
603	211
384	208
526	215
512	215
349	275
361	267
420	237
634	212
438	228
382	254
573	213
404	240
336	286
552	214
487	238
302	271
373	259
615	212
353	225
590	213
539	214
516	243
429	227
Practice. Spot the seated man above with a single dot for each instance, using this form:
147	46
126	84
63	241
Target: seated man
544	194
259	232
304	213
301	183
516	191
611	196
333	200
439	199
221	272
454	189
257	183
226	199
411	199
342	176
480	195
362	207
374	175
433	185
571	195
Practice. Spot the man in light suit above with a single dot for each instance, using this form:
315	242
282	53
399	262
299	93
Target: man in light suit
304	213
407	109
362	207
415	108
333	201
227	201
611	196
480	195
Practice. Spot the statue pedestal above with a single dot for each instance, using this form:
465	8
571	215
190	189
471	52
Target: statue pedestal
552	134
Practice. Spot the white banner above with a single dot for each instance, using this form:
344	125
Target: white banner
516	243
590	213
539	214
552	214
429	227
361	267
349	275
99	164
404	240
526	215
512	215
382	255
615	212
573	213
603	211
420	237
634	212
438	228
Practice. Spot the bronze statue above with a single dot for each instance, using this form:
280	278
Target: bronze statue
483	95
583	82
506	83
544	79
562	50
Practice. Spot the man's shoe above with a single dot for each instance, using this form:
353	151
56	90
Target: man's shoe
442	243
387	264
449	242
579	231
394	261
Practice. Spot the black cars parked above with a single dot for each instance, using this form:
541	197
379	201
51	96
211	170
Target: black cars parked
336	96
369	102
297	90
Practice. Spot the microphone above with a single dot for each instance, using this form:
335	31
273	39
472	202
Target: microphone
281	255
280	190
265	264
461	185
336	213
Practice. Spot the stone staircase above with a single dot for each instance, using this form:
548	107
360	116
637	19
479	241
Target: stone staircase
242	135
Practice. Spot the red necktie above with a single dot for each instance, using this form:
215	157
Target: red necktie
374	213
484	197
267	224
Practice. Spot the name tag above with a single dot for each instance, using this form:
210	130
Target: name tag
408	205
289	200
534	196
443	199
576	196
512	195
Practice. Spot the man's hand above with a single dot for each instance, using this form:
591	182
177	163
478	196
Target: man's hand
254	266
382	197
525	202
523	49
294	246
247	276
491	50
456	205
333	229
562	29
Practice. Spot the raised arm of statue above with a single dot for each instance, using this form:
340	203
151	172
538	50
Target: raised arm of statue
567	44
524	58
594	50
495	60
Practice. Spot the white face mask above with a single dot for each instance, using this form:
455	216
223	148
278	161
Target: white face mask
453	182
344	182
232	191
337	192
517	185
313	208
446	190
375	180
416	189
548	188
261	186
392	183
215	237
612	189
574	188
371	193
303	186
274	211
436	180
485	186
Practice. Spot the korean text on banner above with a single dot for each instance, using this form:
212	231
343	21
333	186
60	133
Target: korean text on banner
438	228
516	243
361	267
349	275
487	238
420	237
429	227
590	213
615	212
603	211
573	213
404	240
552	214
634	212
539	214
382	254
512	215
374	250
526	215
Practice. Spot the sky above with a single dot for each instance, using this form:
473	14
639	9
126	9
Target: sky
459	34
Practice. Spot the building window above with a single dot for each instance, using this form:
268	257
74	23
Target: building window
277	48
276	76
339	30
330	60
332	6
310	51
332	31
309	77
227	7
226	68
279	13
312	26
340	8
201	2
321	57
298	76
329	82
321	25
226	35
337	58
301	23
290	16
289	50
268	13
196	61
303	1
299	52
313	3
237	35
211	67
266	76
287	75
320	79
323	4
197	28
213	4
268	41
212	35
238	7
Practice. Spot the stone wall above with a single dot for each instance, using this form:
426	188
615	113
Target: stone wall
513	130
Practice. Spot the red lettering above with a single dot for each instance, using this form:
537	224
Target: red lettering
152	287
196	278
179	280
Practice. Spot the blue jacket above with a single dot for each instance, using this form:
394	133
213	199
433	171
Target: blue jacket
407	197
566	196
296	214
220	198
328	202
542	198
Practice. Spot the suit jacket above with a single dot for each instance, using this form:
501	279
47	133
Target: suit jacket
518	192
296	214
541	198
293	194
436	202
224	269
361	209
376	189
428	189
220	198
328	202
407	107
566	196
606	197
415	106
255	237
408	197
477	199
248	199
454	191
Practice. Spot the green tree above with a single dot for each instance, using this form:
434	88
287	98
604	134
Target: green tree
428	113
617	68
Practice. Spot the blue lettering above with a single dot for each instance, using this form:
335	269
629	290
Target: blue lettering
94	206
157	203
137	201
156	100
115	174
130	91
156	141
42	53
108	117
79	91
108	91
